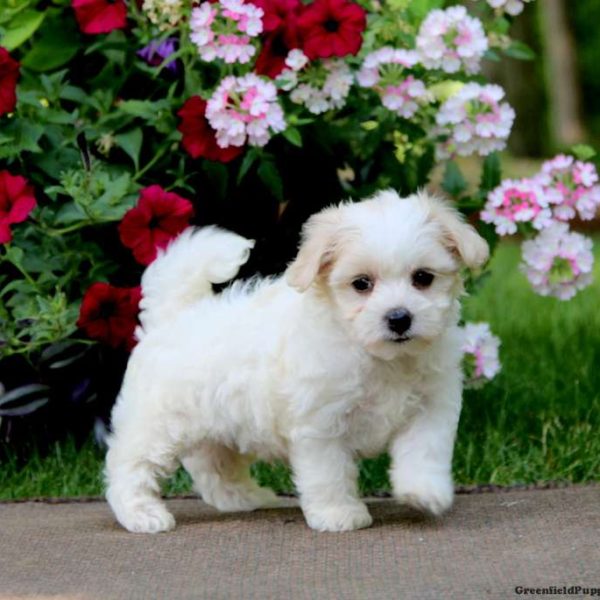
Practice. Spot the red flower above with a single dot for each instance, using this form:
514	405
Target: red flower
157	219
100	16
332	28
280	24
109	314
16	202
198	136
276	46
278	13
9	73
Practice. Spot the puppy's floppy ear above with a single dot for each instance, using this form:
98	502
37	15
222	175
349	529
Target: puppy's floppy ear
460	237
316	249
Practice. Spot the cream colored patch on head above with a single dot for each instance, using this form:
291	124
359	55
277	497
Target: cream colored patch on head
388	240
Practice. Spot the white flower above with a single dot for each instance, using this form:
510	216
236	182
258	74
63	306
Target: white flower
474	120
451	39
480	347
165	14
517	201
331	94
558	262
224	30
511	7
296	60
245	109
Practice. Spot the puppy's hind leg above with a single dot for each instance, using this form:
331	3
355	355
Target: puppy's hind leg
222	478
134	466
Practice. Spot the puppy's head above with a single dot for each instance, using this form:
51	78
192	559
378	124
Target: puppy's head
389	268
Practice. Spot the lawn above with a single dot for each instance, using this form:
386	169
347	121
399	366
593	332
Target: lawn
537	421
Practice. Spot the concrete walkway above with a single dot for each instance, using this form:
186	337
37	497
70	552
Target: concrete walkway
488	545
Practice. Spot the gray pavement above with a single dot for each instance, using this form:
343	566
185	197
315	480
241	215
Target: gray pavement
489	545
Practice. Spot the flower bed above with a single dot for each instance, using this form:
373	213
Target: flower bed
123	123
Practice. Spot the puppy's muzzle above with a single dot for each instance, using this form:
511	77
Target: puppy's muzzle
399	321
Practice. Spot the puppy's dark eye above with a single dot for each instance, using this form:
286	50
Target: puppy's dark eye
422	279
362	284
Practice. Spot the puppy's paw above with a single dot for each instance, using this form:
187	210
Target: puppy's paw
147	518
433	494
342	517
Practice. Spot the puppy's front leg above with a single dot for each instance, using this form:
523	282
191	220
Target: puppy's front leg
326	478
421	473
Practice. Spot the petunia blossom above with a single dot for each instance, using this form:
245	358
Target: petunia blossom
158	218
100	16
109	314
331	28
17	200
9	74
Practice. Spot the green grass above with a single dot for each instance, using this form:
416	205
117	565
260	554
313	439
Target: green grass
537	421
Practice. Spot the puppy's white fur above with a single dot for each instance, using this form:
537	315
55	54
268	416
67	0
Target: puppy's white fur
302	367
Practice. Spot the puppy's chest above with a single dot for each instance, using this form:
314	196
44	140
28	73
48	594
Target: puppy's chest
381	411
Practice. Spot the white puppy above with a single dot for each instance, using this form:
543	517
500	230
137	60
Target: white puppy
354	351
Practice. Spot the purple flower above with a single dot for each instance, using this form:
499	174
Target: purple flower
156	52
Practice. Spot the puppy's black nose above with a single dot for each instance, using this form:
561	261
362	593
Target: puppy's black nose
399	320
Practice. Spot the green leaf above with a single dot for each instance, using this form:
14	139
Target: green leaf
583	151
14	255
454	182
131	143
57	45
23	26
270	176
520	51
418	9
491	175
248	161
146	109
69	213
293	135
218	176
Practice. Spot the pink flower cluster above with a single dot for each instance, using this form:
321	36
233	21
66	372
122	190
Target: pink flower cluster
224	30
571	186
474	120
563	189
451	39
558	262
385	71
245	108
481	356
517	201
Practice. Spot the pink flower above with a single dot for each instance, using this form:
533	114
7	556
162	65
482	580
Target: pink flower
224	30
480	348
558	262
517	201
474	120
245	109
384	71
450	39
571	186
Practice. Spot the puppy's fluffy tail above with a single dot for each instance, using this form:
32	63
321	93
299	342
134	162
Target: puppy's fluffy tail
185	271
